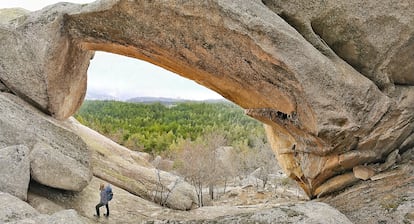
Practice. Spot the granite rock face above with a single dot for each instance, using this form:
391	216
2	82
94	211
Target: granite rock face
52	168
333	81
374	37
69	216
55	156
36	53
13	210
309	213
15	170
387	197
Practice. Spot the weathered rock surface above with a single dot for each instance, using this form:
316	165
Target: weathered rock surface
309	213
43	205
14	209
387	198
7	15
65	216
374	37
333	81
36	56
21	124
15	170
53	168
129	170
363	172
3	88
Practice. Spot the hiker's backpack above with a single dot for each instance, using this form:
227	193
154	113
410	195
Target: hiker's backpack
108	191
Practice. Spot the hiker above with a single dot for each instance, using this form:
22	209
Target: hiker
104	194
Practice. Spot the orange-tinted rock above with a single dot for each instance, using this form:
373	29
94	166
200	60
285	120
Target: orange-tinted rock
363	172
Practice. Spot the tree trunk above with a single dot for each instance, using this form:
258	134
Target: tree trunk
225	186
201	194
211	191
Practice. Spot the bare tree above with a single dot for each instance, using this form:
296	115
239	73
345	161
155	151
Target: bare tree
227	165
203	164
265	161
258	158
162	193
197	162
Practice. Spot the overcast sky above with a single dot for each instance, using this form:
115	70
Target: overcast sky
122	77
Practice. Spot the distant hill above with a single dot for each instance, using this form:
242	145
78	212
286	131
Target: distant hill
165	100
147	99
100	96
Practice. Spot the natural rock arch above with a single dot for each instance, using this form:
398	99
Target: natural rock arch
322	116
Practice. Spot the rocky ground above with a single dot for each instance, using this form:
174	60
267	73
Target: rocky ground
386	198
128	208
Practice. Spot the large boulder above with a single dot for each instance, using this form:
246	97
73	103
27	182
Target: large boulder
15	170
52	168
331	80
59	157
35	52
